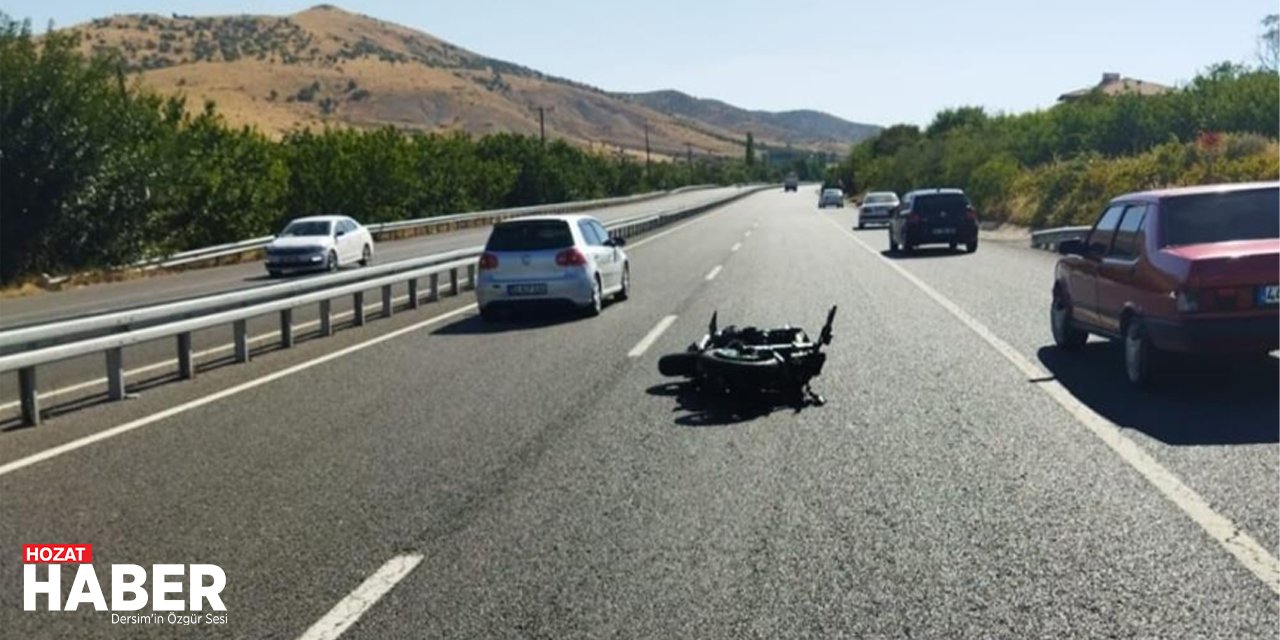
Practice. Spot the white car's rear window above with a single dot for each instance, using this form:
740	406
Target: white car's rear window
534	235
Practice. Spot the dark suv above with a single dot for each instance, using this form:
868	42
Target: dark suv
934	216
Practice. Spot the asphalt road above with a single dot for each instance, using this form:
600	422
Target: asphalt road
176	286
533	479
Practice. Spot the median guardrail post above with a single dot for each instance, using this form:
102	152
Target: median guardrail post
115	374
286	328
471	277
240	336
433	293
326	318
413	294
29	396
387	309
186	363
357	308
453	281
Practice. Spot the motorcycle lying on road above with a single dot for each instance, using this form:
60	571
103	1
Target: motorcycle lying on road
746	362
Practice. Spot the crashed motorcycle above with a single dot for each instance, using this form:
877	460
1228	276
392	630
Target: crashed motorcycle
749	361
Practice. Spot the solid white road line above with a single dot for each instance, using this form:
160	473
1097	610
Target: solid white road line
345	613
736	247
651	337
1253	556
714	272
78	443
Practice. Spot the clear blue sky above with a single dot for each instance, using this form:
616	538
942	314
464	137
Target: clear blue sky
883	61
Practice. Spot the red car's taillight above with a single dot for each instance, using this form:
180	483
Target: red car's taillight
571	258
488	261
1213	299
1226	299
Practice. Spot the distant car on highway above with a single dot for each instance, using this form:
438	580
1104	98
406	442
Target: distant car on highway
831	197
934	216
792	183
876	207
1190	270
566	258
319	243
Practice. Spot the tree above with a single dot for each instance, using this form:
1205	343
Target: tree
1269	43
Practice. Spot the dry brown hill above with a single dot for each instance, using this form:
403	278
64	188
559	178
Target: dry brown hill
329	66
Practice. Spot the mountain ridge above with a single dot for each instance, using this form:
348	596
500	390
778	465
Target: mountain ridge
325	66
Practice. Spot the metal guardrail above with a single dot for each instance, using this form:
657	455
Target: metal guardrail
1050	238
384	230
184	318
49	333
204	252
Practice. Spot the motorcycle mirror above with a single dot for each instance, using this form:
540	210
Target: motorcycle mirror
826	328
711	328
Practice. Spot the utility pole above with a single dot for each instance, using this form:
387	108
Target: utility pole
542	122
646	144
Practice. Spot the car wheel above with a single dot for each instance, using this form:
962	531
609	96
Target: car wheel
908	248
366	256
862	225
1140	356
597	300
331	263
1066	336
273	273
487	314
625	291
970	247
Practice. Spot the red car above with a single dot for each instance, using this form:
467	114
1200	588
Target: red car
1191	270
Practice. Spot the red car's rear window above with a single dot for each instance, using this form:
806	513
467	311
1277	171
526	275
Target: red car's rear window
1221	217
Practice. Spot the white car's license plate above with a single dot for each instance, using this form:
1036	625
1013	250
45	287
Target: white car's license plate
1269	295
527	289
944	231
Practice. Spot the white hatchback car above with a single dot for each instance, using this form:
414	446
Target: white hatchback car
568	259
319	242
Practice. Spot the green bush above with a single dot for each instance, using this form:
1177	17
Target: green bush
1073	192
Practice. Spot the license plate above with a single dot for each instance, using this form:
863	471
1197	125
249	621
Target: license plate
1269	295
527	289
944	231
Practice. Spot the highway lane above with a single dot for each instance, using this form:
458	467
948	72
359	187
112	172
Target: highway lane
1217	423
553	485
73	383
176	286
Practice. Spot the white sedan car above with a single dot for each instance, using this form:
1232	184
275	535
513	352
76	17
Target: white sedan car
319	243
540	259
